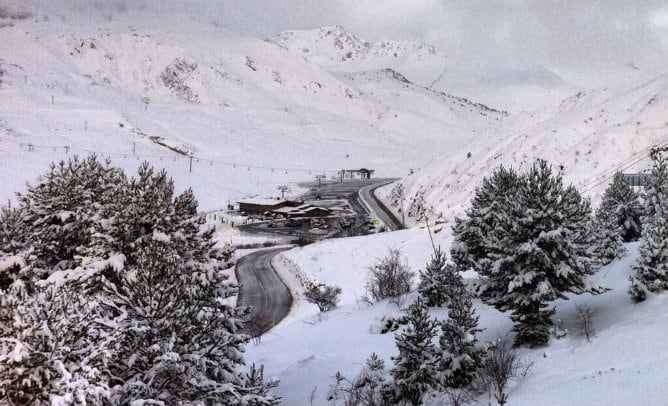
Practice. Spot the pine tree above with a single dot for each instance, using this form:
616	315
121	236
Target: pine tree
651	270
415	367
461	357
610	244
475	232
52	351
439	280
138	308
12	238
535	247
60	211
622	204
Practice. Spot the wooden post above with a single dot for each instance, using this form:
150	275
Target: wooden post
190	168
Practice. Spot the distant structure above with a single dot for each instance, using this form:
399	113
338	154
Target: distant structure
262	206
636	179
305	210
363	173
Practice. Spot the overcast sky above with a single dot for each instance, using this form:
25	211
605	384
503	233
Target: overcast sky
590	43
563	35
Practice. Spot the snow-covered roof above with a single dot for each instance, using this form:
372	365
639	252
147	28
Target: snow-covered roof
262	202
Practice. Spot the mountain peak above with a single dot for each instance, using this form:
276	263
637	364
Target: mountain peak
335	44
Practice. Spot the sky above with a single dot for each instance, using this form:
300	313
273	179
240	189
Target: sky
581	41
588	44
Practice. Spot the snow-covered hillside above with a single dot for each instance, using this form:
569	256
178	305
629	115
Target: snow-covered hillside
625	363
588	136
335	49
126	85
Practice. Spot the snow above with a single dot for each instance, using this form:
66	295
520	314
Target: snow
234	117
624	364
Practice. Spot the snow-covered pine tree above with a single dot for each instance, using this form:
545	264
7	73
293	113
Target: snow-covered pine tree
52	351
438	280
145	307
180	342
415	368
475	232
534	248
12	238
610	245
622	204
651	270
461	356
60	211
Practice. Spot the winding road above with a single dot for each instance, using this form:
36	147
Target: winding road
378	208
263	291
266	294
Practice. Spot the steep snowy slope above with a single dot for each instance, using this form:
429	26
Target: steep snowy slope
162	84
588	136
335	49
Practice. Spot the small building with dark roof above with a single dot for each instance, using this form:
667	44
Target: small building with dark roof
262	206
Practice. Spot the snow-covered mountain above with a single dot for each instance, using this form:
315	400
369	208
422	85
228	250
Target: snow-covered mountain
134	86
589	136
335	49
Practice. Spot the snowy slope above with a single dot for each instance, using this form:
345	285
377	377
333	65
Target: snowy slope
134	85
590	135
336	49
625	364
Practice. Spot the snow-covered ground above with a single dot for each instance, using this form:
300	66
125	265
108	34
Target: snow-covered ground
625	363
234	116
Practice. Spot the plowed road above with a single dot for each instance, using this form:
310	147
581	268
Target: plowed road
263	291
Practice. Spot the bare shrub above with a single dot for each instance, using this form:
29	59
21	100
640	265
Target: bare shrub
586	318
364	390
458	396
503	364
390	278
326	297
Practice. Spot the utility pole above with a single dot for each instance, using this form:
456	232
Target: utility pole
403	215
86	125
134	148
320	178
190	168
283	189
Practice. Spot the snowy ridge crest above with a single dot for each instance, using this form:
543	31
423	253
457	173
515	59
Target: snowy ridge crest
338	44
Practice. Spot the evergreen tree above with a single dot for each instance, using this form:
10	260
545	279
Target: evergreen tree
610	245
651	270
12	238
475	232
534	248
439	280
622	204
461	357
52	351
414	371
140	317
60	211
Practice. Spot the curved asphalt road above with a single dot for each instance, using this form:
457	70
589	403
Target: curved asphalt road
263	291
378	208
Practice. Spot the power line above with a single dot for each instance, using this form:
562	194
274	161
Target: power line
233	164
